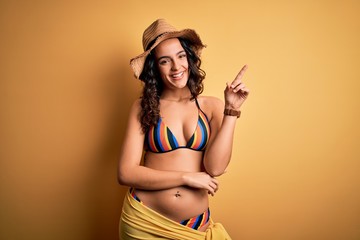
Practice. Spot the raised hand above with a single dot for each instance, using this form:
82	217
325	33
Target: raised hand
236	92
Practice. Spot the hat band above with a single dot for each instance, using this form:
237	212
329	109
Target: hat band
153	41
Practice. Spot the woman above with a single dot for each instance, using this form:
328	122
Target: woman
185	140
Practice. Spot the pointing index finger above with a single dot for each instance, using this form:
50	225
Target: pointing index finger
237	79
241	73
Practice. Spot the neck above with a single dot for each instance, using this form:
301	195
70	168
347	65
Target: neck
176	96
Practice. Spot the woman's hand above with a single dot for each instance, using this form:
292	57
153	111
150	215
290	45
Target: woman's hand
201	180
236	92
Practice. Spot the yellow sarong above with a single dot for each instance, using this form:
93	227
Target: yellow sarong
140	222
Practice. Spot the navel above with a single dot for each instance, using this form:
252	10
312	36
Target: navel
177	194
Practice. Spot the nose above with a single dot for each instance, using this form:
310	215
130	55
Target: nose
175	65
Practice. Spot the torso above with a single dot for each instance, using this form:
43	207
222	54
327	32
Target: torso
183	202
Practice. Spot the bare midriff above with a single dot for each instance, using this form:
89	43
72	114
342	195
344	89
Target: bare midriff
178	203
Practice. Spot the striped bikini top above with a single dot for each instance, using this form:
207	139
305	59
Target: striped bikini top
160	139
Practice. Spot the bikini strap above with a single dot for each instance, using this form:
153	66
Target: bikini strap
197	103
198	106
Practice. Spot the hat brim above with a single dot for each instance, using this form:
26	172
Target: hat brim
137	63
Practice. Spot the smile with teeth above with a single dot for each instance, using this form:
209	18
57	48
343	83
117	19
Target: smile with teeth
177	75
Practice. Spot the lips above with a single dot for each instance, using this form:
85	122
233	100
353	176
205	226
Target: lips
177	75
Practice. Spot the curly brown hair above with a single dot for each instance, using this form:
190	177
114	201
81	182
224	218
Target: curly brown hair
153	86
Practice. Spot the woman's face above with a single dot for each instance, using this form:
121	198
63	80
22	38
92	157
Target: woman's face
172	63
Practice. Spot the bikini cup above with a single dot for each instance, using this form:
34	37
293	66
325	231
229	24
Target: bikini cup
160	139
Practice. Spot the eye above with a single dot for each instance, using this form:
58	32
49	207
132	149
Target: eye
164	61
183	55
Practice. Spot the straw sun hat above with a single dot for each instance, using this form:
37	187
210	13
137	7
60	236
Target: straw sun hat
157	32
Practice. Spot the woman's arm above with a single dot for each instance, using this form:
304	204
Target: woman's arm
218	152
131	173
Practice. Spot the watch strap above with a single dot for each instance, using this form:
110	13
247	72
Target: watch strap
232	112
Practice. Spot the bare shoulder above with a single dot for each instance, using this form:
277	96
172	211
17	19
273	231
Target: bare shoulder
136	105
210	103
134	123
212	106
135	109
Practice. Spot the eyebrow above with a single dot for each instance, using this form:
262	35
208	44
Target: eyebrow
182	51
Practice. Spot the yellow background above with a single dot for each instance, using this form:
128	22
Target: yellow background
66	88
